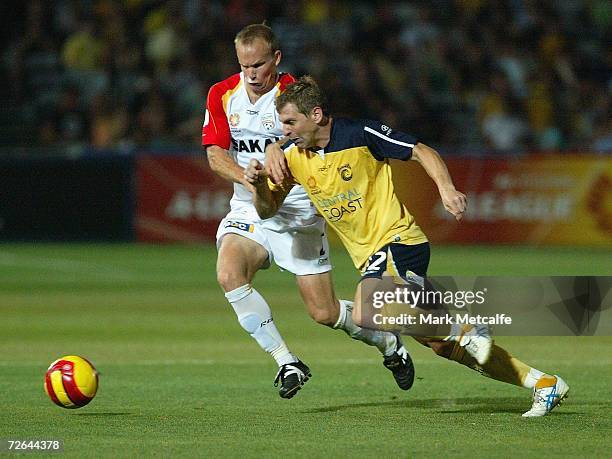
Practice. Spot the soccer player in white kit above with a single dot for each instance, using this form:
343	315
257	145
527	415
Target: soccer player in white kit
240	121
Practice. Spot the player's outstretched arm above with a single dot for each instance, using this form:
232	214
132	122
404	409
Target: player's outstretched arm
276	163
266	201
224	165
454	201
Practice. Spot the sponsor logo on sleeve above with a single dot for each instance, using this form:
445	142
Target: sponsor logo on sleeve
386	129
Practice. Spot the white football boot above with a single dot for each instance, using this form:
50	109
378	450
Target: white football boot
548	392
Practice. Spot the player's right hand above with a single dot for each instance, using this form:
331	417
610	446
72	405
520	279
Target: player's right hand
255	174
275	162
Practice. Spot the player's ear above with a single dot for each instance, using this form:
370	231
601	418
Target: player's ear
317	114
277	57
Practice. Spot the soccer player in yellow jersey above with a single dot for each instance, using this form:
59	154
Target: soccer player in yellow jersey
344	166
240	120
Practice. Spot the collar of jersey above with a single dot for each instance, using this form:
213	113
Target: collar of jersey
244	87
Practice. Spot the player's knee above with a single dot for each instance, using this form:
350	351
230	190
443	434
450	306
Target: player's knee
230	280
323	316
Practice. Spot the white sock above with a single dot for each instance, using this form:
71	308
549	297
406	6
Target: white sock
384	341
255	317
532	378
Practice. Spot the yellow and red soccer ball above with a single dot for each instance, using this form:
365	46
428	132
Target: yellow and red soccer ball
71	381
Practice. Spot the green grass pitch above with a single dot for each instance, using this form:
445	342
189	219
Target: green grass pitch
179	377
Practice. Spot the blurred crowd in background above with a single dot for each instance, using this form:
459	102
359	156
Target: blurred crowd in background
465	76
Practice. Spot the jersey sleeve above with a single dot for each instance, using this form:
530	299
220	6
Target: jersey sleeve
216	128
285	80
385	142
285	186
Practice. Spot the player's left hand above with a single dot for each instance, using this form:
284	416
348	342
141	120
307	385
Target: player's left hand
275	162
454	202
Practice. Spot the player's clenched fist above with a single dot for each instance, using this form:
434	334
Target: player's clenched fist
454	201
275	162
255	173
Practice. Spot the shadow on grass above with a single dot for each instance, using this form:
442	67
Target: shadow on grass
107	414
516	405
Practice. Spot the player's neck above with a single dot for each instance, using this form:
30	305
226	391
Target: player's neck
324	133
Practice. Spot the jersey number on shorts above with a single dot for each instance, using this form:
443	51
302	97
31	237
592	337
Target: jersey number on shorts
375	261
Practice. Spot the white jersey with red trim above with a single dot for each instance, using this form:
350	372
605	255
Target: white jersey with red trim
244	129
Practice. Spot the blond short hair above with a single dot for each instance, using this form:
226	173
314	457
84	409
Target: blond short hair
253	32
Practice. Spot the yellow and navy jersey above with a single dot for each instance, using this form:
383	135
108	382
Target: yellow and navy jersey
350	183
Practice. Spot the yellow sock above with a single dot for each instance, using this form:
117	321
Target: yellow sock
546	381
501	365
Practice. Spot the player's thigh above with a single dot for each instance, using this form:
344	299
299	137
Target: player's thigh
243	248
318	294
238	260
406	260
300	246
238	251
301	250
398	260
391	260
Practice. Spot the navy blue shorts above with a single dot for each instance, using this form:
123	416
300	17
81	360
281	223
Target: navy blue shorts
398	260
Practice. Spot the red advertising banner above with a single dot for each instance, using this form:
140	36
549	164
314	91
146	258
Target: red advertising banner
565	200
549	200
179	199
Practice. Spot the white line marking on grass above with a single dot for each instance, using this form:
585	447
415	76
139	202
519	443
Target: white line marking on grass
66	266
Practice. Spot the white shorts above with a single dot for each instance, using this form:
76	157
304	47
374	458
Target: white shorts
295	244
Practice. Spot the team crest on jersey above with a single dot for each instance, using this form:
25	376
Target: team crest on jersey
312	184
345	172
267	121
234	119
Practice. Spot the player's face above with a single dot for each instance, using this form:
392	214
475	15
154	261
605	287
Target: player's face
258	63
298	127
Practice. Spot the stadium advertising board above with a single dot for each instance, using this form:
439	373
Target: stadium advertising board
549	200
179	199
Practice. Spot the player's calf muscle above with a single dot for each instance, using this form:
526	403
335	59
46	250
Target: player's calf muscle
323	316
